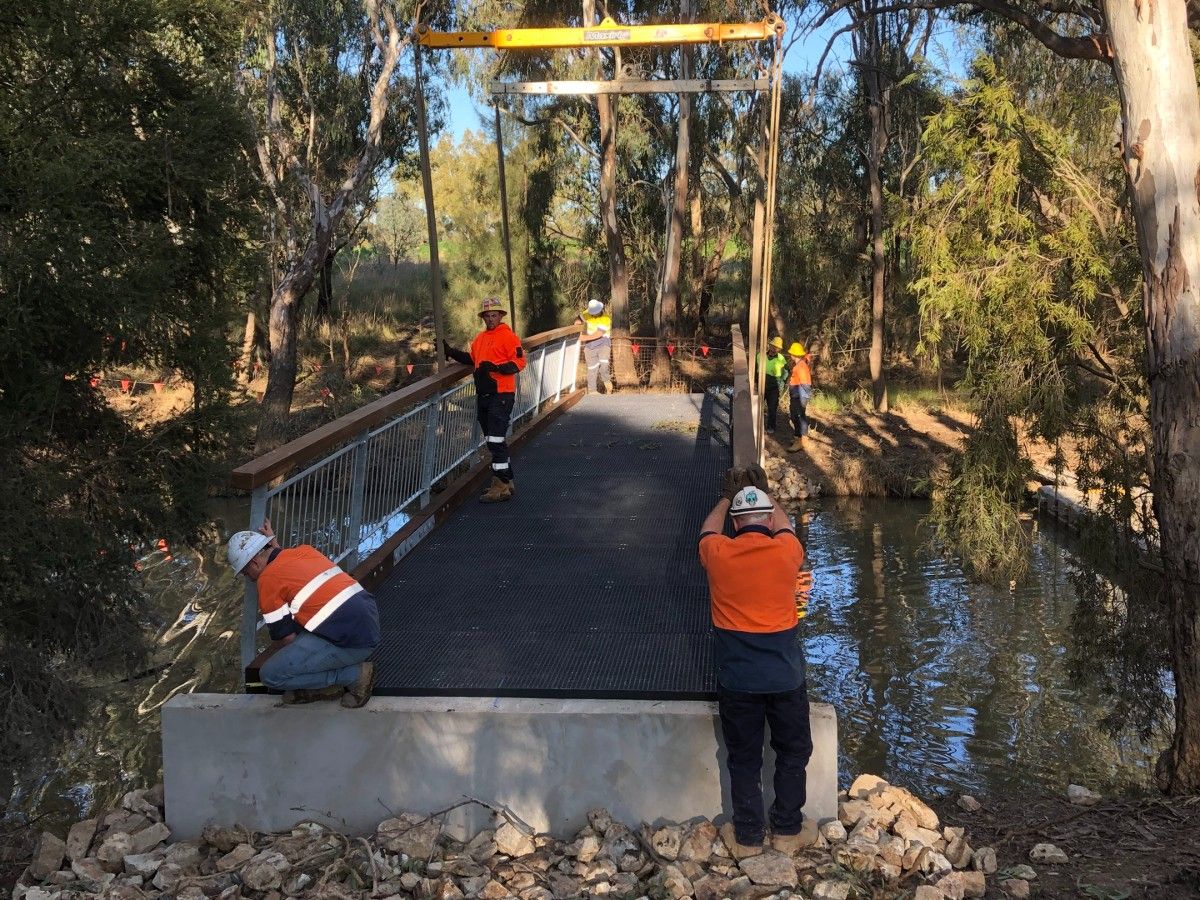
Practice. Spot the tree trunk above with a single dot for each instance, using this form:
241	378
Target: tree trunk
667	320
247	350
696	266
283	337
1161	135
281	371
879	137
712	271
325	292
623	373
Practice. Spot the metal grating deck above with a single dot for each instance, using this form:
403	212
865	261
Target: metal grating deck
587	583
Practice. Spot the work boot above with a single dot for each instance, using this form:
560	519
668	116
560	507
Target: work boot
797	445
498	492
491	485
791	844
359	693
737	850
312	695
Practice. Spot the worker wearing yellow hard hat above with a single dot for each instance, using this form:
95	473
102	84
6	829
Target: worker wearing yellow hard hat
775	367
800	391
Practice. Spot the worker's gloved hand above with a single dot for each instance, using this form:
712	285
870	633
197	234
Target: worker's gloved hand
446	350
756	476
733	484
487	366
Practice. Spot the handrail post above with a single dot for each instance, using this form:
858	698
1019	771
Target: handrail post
562	365
357	491
258	515
541	376
429	449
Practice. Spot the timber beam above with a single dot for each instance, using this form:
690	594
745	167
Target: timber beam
629	86
607	34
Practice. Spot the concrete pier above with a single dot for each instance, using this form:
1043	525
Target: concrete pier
247	759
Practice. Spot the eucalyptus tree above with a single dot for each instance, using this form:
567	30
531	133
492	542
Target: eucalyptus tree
125	233
329	106
1148	47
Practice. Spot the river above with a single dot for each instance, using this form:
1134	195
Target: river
939	683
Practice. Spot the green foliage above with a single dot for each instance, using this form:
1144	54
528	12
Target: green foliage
1025	270
122	241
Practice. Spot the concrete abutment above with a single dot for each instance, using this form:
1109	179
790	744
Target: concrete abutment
249	760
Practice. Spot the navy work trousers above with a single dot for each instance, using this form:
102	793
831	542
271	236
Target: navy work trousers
742	719
494	412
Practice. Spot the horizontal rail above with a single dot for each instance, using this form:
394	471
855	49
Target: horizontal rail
607	34
629	86
355	484
284	459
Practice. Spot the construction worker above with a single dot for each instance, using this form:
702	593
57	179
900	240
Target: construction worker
322	622
759	664
775	367
597	344
497	356
800	392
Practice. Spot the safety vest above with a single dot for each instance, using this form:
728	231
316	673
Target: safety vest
602	323
499	345
774	366
301	585
801	374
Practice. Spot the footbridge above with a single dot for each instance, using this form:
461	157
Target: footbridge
551	653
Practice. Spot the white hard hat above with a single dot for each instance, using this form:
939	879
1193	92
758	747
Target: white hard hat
750	500
595	307
244	546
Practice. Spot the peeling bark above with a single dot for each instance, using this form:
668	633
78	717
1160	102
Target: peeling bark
1157	85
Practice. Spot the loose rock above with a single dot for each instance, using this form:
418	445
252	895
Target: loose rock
831	890
666	841
1081	796
79	838
770	868
1017	888
967	803
1047	854
833	831
512	842
985	860
49	856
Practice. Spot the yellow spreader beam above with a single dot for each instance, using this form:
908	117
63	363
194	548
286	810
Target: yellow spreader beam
607	34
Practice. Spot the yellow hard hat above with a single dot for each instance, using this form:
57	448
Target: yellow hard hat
777	342
492	304
797	349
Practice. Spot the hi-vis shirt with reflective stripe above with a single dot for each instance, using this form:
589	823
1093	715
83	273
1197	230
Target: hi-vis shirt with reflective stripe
303	586
600	323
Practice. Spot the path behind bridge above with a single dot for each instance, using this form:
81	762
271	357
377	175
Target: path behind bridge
587	583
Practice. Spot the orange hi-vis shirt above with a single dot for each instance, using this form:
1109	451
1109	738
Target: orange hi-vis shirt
752	589
301	588
500	345
801	374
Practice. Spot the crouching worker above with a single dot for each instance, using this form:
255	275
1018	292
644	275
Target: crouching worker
323	624
760	663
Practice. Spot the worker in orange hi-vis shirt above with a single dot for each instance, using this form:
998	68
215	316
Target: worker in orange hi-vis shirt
323	624
497	357
800	392
759	662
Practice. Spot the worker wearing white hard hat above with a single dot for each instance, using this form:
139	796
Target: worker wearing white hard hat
759	660
597	345
323	624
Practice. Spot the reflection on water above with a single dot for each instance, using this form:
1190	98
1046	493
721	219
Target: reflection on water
939	683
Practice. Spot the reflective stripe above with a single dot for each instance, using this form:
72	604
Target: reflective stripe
499	466
276	615
495	439
311	588
332	605
596	366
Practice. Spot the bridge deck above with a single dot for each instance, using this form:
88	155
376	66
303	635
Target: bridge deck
586	584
